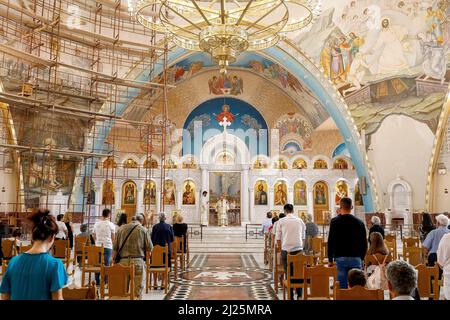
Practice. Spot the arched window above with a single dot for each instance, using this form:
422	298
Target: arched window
130	164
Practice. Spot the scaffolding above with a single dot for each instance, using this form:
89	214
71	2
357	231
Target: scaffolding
68	70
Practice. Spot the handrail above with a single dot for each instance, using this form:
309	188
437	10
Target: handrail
253	231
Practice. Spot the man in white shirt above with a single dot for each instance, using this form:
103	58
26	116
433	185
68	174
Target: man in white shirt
62	228
443	259
204	208
402	280
104	235
290	235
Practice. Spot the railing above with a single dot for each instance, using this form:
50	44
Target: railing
253	231
195	231
403	230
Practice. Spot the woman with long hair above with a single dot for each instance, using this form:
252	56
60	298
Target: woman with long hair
35	274
427	225
377	245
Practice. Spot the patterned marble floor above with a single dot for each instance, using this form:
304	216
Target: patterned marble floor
223	277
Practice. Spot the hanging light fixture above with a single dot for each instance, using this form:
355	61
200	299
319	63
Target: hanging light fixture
225	28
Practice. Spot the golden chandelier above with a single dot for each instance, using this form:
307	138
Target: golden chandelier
225	28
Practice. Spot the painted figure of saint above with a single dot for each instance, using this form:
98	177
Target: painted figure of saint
260	194
129	194
300	193
108	193
341	192
320	197
280	195
225	113
188	195
150	193
169	193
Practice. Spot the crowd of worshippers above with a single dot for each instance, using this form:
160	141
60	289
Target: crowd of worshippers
349	242
37	275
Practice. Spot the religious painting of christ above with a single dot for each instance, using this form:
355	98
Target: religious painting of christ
226	113
300	193
341	191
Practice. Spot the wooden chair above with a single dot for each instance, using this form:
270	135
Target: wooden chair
181	252
428	281
83	293
357	293
316	245
23	248
270	250
173	258
278	268
92	262
414	255
411	242
294	273
78	243
267	248
324	252
392	247
317	279
61	250
157	263
9	250
390	237
120	282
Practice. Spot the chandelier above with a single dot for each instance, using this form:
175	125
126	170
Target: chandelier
225	28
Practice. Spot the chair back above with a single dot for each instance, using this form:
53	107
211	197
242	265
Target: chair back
317	278
316	245
296	264
8	248
392	247
173	250
357	293
61	249
159	256
428	281
84	293
79	242
411	242
92	256
23	248
120	281
179	241
390	237
413	255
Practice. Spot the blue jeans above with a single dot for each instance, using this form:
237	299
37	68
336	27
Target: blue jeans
344	264
107	254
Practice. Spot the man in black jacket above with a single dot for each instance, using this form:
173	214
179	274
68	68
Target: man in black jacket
347	241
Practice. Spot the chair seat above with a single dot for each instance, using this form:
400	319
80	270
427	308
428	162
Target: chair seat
158	269
92	269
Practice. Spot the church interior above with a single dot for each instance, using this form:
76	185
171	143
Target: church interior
220	116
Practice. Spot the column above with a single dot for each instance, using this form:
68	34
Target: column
179	200
310	202
244	200
332	204
198	200
251	192
351	195
158	201
118	195
98	201
290	195
140	197
271	199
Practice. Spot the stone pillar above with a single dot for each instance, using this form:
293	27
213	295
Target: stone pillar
179	200
290	195
158	201
140	197
98	201
118	195
271	199
244	201
351	195
252	205
310	202
332	204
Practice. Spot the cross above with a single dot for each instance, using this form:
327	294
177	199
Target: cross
225	123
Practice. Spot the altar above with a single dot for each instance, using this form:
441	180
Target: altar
234	217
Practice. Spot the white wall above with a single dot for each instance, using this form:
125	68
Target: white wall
401	147
441	199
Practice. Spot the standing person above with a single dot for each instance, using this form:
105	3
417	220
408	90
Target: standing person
267	222
376	226
133	241
433	238
63	232
204	208
427	225
290	235
222	207
402	280
347	241
35	274
68	222
180	229
104	235
312	230
443	259
162	233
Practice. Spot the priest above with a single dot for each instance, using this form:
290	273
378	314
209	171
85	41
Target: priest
222	208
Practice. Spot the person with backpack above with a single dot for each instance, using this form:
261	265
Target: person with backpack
376	260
